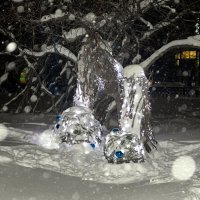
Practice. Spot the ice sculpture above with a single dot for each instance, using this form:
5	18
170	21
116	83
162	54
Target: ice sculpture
102	80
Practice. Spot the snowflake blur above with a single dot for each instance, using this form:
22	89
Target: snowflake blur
123	147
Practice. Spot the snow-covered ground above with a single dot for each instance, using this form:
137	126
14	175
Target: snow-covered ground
29	171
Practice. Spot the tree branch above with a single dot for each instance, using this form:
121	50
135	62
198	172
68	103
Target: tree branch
193	42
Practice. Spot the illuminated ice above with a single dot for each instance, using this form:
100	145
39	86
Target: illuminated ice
77	125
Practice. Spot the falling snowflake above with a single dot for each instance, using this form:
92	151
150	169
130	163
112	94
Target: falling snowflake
10	66
20	9
183	168
33	98
5	108
27	109
12	46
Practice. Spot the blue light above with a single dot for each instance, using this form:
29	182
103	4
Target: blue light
119	154
58	118
92	145
115	130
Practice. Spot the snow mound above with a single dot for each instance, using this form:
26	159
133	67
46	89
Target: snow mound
81	160
48	140
83	148
4	159
3	132
133	70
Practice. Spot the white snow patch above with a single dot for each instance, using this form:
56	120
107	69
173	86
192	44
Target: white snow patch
4	159
135	70
72	17
83	148
90	17
73	34
53	48
3	132
93	166
183	168
58	13
137	58
194	193
48	140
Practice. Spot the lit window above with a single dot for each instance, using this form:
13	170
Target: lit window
185	55
177	62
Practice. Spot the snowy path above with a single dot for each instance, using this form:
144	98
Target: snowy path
28	171
19	183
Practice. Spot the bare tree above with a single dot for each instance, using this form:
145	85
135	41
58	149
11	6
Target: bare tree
128	31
